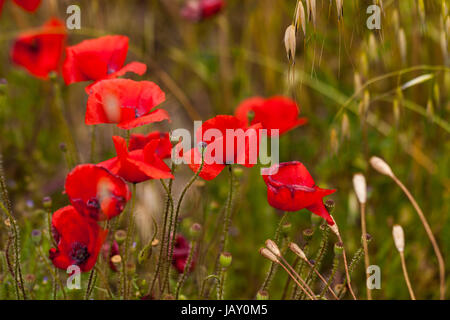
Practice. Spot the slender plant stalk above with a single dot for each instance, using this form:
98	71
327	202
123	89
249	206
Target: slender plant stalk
273	265
175	222
405	274
323	279
429	232
306	286
355	260
319	257
211	276
164	245
228	210
312	297
91	283
366	249
330	279
105	281
127	244
186	270
53	272
18	279
347	274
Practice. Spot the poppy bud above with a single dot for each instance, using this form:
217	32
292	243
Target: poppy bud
36	236
225	259
308	234
272	246
399	237
338	248
296	249
262	295
155	242
381	166
47	202
359	184
329	205
368	238
266	253
116	261
195	230
120	236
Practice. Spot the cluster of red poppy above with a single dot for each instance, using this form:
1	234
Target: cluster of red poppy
28	5
99	192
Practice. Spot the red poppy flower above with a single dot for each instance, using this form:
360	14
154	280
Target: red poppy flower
164	148
79	239
290	187
137	165
28	5
181	254
239	146
95	192
41	51
110	250
125	102
98	59
196	10
274	113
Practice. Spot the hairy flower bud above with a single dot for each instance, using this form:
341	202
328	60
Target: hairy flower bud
272	246
296	249
266	253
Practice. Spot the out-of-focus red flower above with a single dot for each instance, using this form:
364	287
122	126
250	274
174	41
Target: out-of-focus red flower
196	10
79	239
181	254
139	141
41	51
110	250
28	5
98	59
240	146
125	102
137	165
274	113
95	192
290	187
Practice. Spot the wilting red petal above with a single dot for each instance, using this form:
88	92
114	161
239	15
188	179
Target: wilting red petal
290	187
125	102
181	254
41	51
139	141
98	59
276	113
95	192
29	5
137	165
79	239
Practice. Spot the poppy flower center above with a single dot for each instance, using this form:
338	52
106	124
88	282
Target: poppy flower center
79	253
93	204
35	46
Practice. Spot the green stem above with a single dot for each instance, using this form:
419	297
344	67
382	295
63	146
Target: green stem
186	270
319	257
355	260
90	284
333	273
175	222
53	271
273	266
127	243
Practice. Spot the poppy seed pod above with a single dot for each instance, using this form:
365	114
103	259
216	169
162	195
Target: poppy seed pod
195	230
308	234
47	202
359	184
225	259
262	295
381	166
399	237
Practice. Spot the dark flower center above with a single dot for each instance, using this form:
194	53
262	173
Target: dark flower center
93	204
79	253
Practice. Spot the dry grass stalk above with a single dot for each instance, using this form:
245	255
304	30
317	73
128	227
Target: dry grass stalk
399	240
